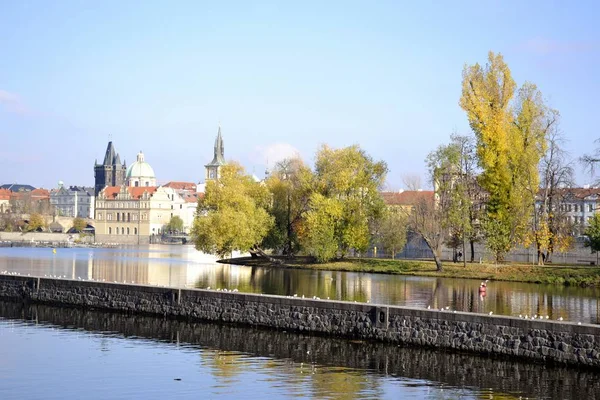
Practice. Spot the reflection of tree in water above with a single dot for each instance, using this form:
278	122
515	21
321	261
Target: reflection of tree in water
224	365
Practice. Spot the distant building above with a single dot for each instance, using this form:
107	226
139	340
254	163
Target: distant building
15	187
214	167
140	173
75	201
577	205
5	200
111	172
34	201
406	199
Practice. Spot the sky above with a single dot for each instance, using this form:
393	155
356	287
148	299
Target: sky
282	78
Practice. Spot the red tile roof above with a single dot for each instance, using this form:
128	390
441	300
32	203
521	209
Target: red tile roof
5	194
407	197
181	185
110	192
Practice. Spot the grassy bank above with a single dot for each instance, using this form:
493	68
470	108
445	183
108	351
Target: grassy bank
564	275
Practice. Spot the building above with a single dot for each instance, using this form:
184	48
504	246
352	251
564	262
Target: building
140	173
75	201
214	167
34	201
123	214
577	205
5	200
406	199
111	172
15	187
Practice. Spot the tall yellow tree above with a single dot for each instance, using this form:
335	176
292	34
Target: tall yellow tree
511	139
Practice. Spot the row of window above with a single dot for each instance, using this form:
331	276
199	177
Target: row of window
579	220
130	204
121	217
576	207
123	230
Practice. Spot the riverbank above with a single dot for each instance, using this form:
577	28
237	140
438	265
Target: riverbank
551	274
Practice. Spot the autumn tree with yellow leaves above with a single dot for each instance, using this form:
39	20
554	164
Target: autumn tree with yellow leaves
511	140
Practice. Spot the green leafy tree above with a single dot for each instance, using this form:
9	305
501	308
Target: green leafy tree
318	233
592	234
392	230
348	182
79	224
452	169
175	224
233	213
290	184
36	221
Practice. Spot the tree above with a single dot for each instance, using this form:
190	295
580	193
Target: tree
36	222
590	161
452	168
551	228
79	224
175	224
392	230
511	138
426	220
346	194
592	234
290	184
232	215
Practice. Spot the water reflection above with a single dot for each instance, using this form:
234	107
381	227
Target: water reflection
183	266
289	364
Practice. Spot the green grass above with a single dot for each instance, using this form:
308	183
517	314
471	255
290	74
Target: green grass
562	275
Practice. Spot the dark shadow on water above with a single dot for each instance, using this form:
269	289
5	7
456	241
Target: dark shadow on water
449	369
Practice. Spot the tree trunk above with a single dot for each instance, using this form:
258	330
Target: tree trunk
472	242
257	251
438	262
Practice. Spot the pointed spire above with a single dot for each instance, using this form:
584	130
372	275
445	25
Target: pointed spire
219	154
109	156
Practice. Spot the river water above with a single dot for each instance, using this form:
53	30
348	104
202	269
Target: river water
183	266
63	353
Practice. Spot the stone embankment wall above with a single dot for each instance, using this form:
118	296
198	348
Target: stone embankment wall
549	341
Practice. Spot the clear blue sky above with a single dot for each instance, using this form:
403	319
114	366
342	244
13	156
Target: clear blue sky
159	76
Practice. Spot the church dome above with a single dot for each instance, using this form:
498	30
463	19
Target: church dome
140	173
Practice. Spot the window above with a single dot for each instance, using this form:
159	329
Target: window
99	216
128	217
147	183
109	216
128	231
590	208
180	206
118	217
575	208
109	230
122	231
137	184
135	231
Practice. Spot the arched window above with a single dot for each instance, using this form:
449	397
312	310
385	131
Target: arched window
109	230
122	231
135	231
128	231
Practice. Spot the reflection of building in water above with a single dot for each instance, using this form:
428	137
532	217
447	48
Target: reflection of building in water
154	268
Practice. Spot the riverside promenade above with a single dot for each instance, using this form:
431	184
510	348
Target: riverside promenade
537	340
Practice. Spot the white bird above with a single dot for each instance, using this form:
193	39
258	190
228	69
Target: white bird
447	307
295	295
491	312
547	317
208	288
429	307
560	318
520	316
579	323
454	311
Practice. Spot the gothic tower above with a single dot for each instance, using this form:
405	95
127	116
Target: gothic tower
213	168
111	172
